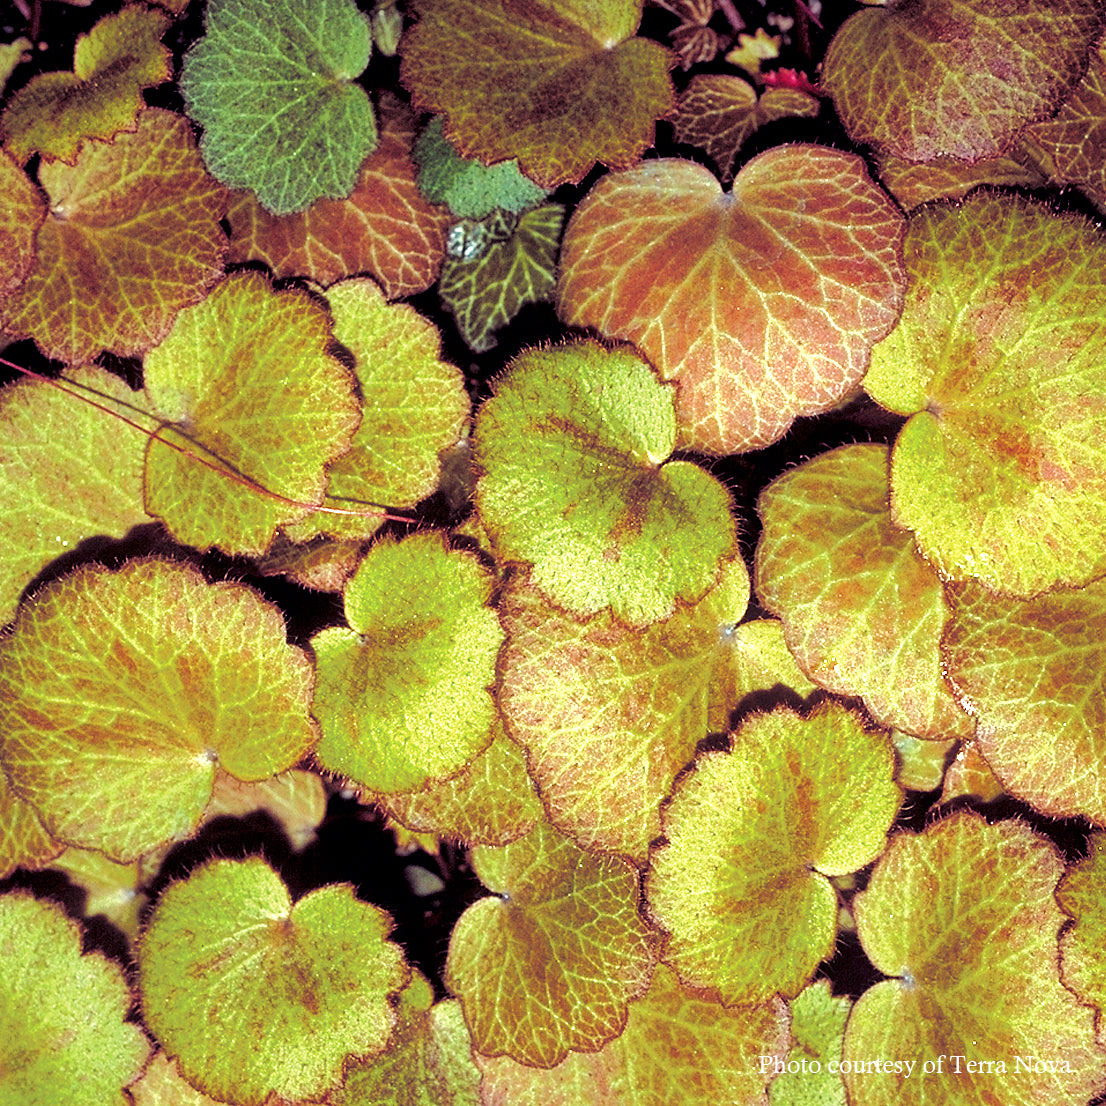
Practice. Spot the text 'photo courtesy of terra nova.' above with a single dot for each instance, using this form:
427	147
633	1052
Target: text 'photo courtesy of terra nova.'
553	552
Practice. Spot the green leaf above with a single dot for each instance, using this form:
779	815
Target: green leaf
61	1014
24	211
402	693
470	190
247	381
115	685
272	84
956	78
862	611
963	919
1081	894
255	995
68	470
573	446
415	408
549	963
1031	674
54	113
749	839
609	715
488	292
818	1030
1000	362
677	1047
24	842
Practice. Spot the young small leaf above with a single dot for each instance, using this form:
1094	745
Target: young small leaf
61	1014
255	995
573	446
272	84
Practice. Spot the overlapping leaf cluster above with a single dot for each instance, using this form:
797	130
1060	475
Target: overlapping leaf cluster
667	770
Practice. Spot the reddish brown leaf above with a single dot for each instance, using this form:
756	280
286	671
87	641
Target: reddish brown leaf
21	214
131	237
384	228
763	302
559	86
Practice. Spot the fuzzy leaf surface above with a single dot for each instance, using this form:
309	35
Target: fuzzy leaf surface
818	1030
415	407
121	756
557	86
75	1049
717	112
999	362
676	1047
487	293
24	841
549	962
956	78
1081	894
750	837
608	715
54	113
469	189
272	84
68	471
863	611
246	380
256	995
402	694
763	302
24	211
1031	673
573	446
963	920
385	228
131	237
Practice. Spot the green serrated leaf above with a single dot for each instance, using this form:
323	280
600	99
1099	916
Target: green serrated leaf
120	693
402	693
488	292
61	1014
576	483
470	189
257	996
272	84
750	837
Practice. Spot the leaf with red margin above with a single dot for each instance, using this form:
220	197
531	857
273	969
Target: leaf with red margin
131	237
559	86
676	1048
24	840
963	919
56	112
384	228
863	611
763	302
1031	673
717	112
1082	893
21	214
914	183
548	964
956	78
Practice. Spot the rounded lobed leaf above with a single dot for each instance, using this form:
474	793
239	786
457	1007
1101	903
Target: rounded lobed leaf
255	995
272	84
572	446
549	963
557	86
402	695
763	302
134	226
61	1014
749	838
959	78
676	1048
120	693
963	918
1031	674
1000	362
54	113
247	381
862	611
